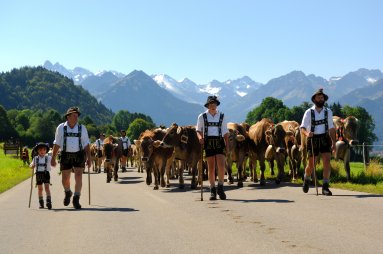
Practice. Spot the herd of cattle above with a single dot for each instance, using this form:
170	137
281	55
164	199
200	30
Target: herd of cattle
176	149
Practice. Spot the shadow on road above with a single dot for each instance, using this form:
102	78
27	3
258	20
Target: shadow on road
261	200
96	208
129	180
359	195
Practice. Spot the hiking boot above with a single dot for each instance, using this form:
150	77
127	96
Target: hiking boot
76	202
325	190
306	185
41	202
213	193
220	192
49	203
68	195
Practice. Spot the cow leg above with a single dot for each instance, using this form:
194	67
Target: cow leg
156	175
181	178
271	164
263	167
193	185
240	176
280	163
116	172
229	170
346	162
162	175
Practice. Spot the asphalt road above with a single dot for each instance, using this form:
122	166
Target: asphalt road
130	217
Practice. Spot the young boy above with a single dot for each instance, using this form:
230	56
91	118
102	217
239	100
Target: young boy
42	163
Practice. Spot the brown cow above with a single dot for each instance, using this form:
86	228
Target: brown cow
187	149
263	134
290	128
238	150
156	158
346	130
94	159
110	154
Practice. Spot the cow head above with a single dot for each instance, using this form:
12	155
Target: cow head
173	136
275	136
351	126
146	148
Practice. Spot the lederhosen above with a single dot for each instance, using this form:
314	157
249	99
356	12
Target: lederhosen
213	144
42	176
99	150
321	142
76	159
125	152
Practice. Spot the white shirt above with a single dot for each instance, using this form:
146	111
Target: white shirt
72	144
99	144
41	168
211	130
319	129
125	142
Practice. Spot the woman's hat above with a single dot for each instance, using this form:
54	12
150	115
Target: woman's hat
211	99
72	110
41	144
320	91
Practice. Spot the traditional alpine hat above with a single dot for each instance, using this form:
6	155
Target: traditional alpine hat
320	91
72	110
41	144
211	99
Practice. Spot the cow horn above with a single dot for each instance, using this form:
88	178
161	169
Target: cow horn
179	129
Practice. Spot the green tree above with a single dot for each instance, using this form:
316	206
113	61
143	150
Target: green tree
6	129
137	127
336	109
269	108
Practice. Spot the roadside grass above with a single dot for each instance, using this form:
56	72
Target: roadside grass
368	180
12	171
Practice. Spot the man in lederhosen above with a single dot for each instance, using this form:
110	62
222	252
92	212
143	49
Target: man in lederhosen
125	150
73	140
317	125
213	134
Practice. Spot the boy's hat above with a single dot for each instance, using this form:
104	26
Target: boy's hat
72	110
41	144
211	99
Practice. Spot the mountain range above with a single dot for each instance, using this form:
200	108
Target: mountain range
167	100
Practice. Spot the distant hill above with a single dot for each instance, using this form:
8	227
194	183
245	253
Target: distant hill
39	88
138	92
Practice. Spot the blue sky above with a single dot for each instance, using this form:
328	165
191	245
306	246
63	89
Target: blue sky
199	39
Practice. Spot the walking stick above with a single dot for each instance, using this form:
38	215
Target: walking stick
30	193
201	172
315	175
89	183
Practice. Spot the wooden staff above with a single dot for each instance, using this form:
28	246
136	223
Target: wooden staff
315	175
201	172
89	184
30	193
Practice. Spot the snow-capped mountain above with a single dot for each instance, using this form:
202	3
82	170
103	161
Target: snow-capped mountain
197	93
78	74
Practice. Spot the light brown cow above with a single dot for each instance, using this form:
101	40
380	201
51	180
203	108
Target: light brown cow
290	128
347	130
238	150
187	148
156	158
265	134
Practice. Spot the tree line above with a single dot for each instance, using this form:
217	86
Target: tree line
32	126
